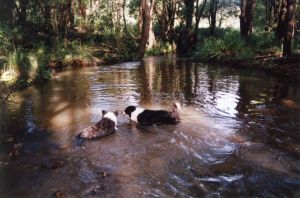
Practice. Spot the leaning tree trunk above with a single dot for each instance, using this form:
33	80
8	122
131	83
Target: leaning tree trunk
286	23
146	10
246	18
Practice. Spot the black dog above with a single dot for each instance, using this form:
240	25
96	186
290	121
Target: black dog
150	117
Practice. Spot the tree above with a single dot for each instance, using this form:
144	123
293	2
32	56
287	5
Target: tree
286	25
199	13
23	15
246	18
146	10
124	16
213	8
185	39
166	19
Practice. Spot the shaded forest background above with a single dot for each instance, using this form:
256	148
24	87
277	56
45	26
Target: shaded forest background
37	36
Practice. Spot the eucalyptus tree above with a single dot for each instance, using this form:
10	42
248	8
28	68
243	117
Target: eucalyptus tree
213	8
286	25
246	17
145	19
281	17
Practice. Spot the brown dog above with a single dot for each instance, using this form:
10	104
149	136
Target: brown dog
106	126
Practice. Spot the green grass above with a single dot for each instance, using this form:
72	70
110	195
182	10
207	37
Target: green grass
23	67
264	42
230	46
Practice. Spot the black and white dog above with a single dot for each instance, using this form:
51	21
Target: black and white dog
150	117
106	126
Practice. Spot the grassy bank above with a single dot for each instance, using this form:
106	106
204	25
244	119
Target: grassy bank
228	45
262	51
25	61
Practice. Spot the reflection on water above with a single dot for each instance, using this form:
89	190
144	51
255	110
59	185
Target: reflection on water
239	134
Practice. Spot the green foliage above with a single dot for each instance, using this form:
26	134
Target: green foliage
134	7
264	42
6	40
108	36
259	20
43	57
28	66
230	47
159	49
23	64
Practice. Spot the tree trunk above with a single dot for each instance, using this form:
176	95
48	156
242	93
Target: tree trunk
184	43
286	23
199	13
166	20
47	15
213	16
146	10
151	39
189	6
72	15
23	14
124	16
246	18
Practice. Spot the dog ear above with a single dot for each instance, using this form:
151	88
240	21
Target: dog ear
175	106
116	113
104	112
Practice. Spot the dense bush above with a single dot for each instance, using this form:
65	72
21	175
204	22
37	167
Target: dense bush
264	42
159	49
230	47
6	40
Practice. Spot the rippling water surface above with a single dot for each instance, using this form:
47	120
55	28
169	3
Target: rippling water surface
239	134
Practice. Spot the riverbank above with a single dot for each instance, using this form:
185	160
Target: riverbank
287	68
24	68
262	51
272	64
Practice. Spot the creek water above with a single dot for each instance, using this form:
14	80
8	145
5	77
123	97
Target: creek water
238	136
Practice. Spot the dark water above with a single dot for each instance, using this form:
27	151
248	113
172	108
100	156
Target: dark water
239	134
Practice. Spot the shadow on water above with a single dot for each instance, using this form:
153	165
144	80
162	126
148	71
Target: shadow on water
238	135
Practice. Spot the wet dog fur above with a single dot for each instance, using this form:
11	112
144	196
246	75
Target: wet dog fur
150	117
106	126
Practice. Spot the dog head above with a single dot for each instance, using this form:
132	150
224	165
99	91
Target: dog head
129	110
176	108
110	115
